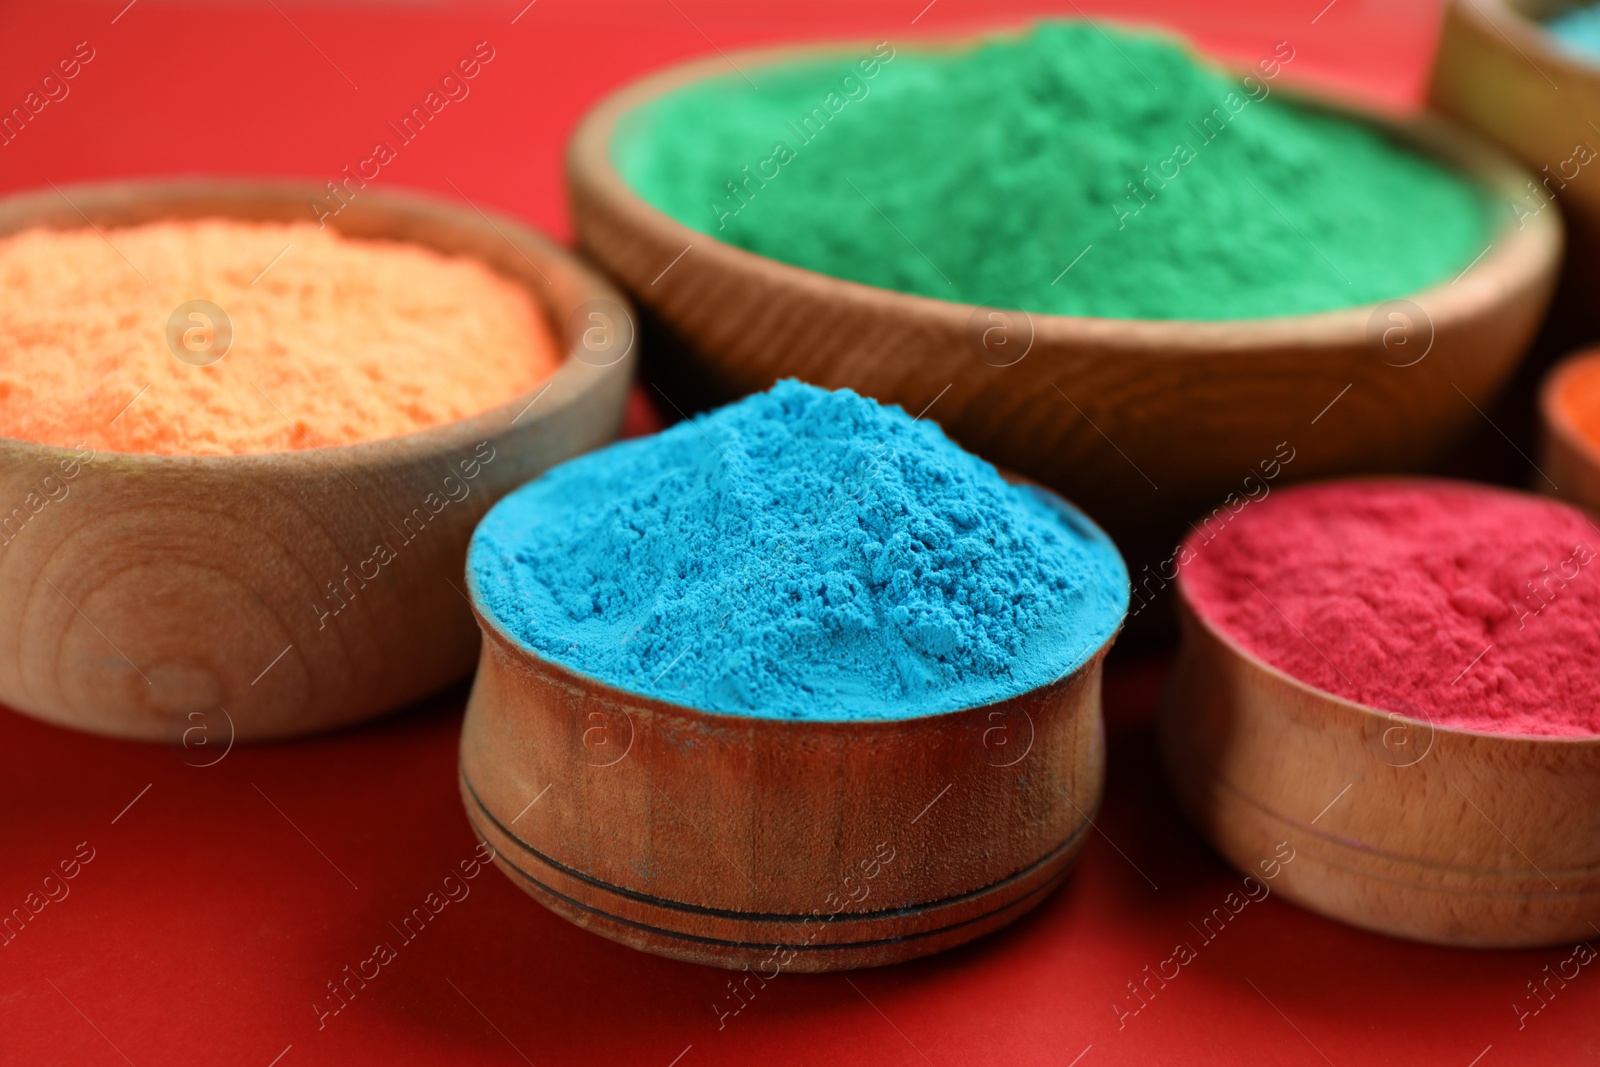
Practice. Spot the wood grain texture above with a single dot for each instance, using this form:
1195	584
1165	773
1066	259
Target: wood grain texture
776	845
1139	422
1398	826
1568	459
150	596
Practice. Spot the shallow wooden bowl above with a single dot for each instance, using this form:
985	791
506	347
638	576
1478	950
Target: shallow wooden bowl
1391	823
776	845
150	596
1498	70
1570	460
1136	421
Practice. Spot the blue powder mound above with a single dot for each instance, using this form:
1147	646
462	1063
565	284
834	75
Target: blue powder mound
800	554
1579	30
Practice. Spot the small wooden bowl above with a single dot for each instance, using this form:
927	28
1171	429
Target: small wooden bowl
1500	71
1393	824
1569	459
774	844
1168	394
150	595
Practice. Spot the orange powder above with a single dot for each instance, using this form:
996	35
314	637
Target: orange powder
334	340
1578	396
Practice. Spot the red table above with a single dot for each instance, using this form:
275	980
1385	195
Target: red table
212	905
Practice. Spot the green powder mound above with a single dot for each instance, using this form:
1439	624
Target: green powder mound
979	176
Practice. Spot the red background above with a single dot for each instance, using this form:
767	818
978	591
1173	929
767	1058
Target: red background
220	902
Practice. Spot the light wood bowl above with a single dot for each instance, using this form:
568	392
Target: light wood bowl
772	844
1570	460
1498	70
1395	825
162	594
1189	407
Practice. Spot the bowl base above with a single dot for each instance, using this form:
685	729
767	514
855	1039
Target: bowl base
768	944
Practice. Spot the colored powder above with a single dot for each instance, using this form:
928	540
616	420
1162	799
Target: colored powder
1578	397
334	340
1471	607
1171	190
800	554
1579	30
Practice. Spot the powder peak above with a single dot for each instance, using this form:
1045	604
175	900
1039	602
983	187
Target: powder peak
800	554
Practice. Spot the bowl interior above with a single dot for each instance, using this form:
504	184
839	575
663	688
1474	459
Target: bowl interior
1350	707
1511	251
1556	415
563	289
1087	655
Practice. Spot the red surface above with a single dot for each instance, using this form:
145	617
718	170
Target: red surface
218	905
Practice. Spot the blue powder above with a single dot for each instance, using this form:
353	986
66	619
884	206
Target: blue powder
1579	30
800	554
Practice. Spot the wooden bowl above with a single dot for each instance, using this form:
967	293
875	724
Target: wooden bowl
1391	823
1569	459
145	596
776	844
1167	395
1498	70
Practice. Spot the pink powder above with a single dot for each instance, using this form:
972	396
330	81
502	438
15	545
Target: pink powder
1473	607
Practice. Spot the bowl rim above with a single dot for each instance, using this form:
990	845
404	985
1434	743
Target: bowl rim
1557	420
573	380
1515	253
1367	711
1525	31
496	632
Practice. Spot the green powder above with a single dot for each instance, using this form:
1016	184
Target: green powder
1173	190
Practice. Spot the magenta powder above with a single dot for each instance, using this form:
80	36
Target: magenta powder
1472	607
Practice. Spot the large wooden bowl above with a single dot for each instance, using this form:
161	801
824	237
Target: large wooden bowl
1498	70
1136	421
773	844
1569	459
149	596
1394	824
